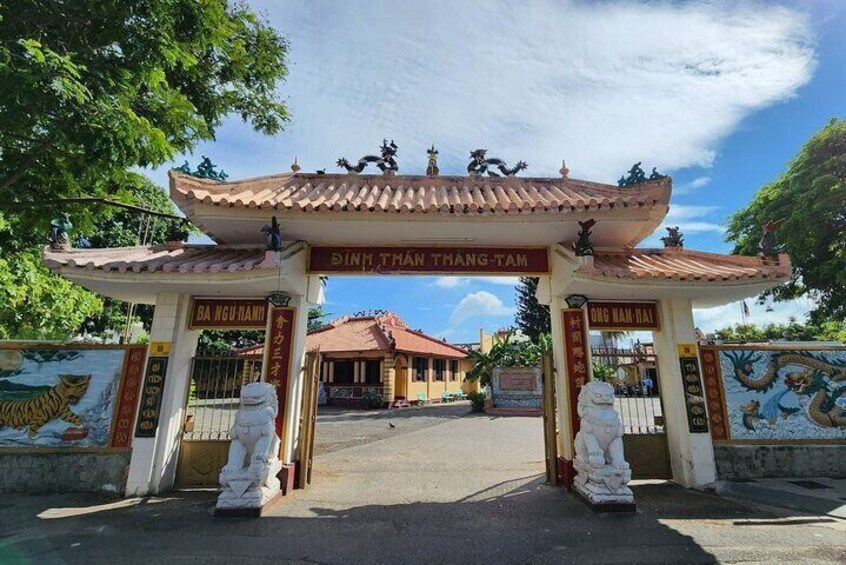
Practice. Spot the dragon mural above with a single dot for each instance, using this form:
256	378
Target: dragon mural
817	381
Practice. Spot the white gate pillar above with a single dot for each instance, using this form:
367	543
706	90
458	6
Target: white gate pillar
691	454
152	468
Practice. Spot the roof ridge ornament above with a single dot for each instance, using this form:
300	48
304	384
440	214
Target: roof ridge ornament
637	176
57	237
564	170
432	169
768	244
272	235
583	247
674	238
479	164
205	170
387	163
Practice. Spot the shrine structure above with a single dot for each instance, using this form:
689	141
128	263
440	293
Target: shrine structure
579	237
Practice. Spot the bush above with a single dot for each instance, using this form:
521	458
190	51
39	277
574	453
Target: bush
477	401
372	398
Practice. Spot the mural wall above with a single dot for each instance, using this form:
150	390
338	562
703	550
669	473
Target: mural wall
765	394
60	397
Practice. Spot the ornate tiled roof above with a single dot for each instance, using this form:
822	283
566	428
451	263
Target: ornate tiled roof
378	333
165	259
684	265
312	193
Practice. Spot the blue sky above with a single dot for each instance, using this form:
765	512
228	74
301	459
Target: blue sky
719	95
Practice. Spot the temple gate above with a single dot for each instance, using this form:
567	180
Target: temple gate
578	237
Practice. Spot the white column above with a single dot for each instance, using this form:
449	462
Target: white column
152	468
691	455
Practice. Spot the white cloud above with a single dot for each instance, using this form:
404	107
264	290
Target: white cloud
450	282
689	187
457	282
476	304
711	319
599	84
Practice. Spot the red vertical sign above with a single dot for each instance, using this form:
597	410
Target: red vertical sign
576	352
714	393
124	418
279	344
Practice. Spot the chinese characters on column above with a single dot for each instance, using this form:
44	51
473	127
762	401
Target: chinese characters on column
151	397
714	397
133	371
575	351
697	420
279	343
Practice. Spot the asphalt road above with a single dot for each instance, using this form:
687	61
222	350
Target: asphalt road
435	488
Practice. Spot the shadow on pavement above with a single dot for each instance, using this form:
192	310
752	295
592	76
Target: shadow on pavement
533	523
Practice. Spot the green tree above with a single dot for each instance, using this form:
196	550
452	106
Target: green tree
810	196
793	330
316	315
506	353
532	316
91	88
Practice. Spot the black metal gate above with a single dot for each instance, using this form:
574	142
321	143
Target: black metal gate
637	384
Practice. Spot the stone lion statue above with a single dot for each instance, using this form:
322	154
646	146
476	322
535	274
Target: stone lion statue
249	477
602	470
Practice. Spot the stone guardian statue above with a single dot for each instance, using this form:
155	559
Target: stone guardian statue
249	478
602	474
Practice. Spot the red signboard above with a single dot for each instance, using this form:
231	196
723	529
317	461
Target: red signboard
623	316
279	348
429	260
228	313
127	400
576	346
714	393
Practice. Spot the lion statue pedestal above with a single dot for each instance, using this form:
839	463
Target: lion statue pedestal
602	474
249	478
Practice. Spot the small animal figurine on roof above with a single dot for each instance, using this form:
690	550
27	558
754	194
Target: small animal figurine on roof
387	163
205	170
479	165
432	169
674	237
57	237
637	176
272	236
768	244
583	247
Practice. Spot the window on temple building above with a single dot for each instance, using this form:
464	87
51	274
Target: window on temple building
453	370
344	372
420	365
439	368
373	372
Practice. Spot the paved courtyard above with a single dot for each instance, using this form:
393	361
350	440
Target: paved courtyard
440	486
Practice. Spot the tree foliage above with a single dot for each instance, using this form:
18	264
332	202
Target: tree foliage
811	198
532	316
506	352
36	304
91	88
792	330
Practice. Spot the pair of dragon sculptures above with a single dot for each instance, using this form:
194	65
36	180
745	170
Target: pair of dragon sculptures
823	381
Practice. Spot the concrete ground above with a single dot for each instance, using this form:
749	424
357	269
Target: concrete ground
441	486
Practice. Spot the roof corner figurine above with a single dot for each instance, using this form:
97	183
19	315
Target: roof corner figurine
583	247
387	163
57	237
432	169
272	236
674	238
564	171
769	245
637	176
479	164
205	170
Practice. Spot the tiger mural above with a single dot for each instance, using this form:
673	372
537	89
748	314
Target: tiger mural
51	404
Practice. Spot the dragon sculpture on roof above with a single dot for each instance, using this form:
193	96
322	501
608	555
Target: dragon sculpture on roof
387	162
479	164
